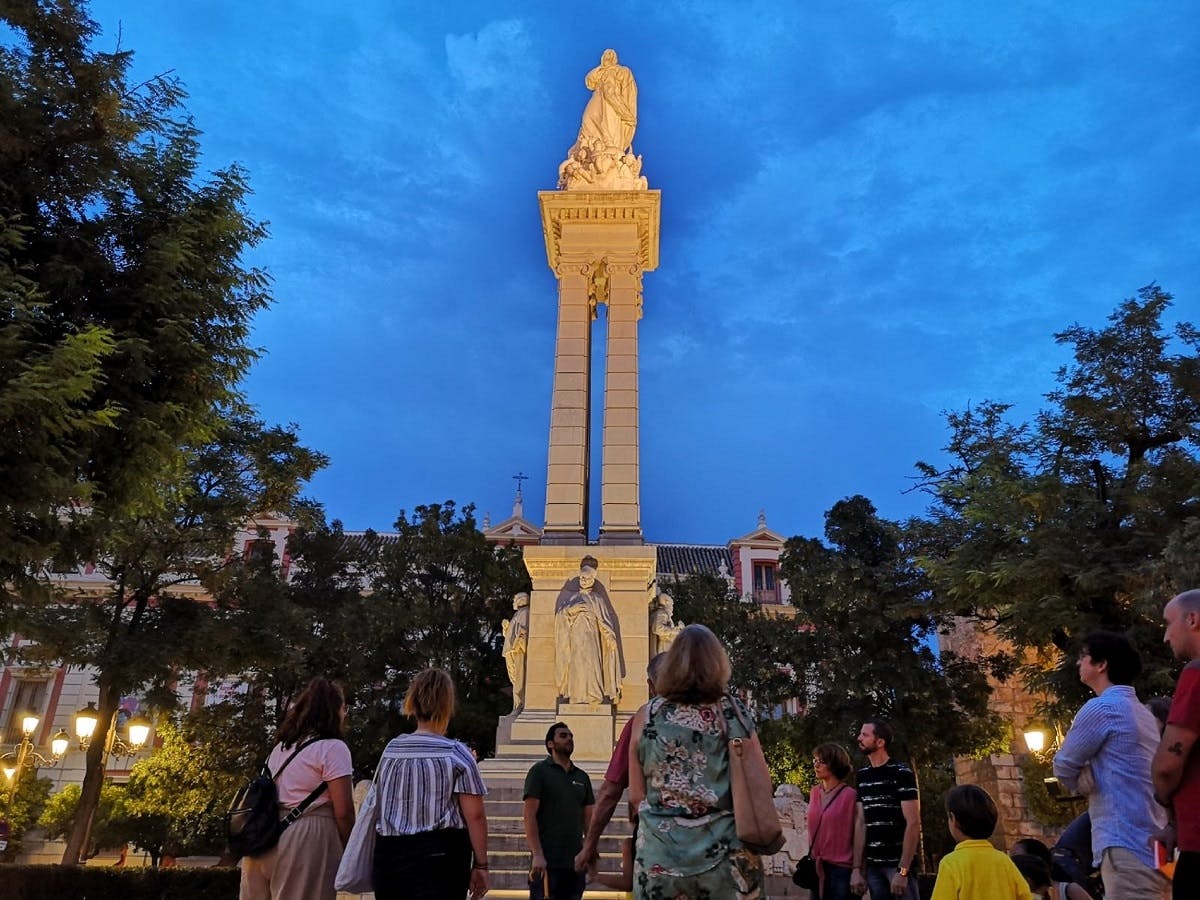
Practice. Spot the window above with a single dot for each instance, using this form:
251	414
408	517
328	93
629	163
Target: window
28	696
260	552
766	587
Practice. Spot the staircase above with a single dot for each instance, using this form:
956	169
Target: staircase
508	852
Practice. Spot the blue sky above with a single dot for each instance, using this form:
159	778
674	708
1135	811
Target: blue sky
872	212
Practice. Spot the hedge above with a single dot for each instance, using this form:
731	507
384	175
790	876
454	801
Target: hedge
107	883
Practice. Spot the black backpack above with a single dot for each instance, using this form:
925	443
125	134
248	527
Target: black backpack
252	823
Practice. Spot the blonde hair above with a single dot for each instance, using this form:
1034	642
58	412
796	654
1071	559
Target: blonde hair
696	669
430	698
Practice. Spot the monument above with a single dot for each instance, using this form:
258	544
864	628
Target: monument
579	652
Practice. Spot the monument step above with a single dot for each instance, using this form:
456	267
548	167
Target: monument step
609	843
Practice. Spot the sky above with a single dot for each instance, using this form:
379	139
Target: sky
872	213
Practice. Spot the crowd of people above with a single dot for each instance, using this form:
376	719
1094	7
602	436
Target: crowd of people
1141	778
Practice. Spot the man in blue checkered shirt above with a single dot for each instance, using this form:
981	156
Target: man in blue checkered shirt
1114	737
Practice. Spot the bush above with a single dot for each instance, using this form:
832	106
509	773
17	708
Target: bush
96	883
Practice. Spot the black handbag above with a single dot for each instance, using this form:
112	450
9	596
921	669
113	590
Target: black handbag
807	874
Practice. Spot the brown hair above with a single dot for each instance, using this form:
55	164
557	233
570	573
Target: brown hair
836	757
696	669
430	698
317	712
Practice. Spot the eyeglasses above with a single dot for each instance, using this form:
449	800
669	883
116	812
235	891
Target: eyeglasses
819	762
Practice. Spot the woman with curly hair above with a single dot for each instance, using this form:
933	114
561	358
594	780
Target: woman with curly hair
309	758
687	843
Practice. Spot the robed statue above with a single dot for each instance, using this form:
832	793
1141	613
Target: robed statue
602	157
663	627
589	663
516	646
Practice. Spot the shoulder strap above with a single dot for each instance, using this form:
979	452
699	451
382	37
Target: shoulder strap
284	765
304	804
733	704
821	818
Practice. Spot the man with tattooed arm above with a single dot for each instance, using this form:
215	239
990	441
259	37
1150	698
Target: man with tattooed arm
1176	767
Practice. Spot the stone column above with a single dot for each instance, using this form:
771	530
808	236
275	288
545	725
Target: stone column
567	475
620	505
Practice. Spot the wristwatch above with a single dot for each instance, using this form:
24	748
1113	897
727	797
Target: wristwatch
902	871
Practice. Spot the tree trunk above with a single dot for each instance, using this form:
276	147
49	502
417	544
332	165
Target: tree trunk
93	779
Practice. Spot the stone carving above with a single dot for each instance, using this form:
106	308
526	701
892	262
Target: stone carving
588	659
602	157
793	816
516	645
663	627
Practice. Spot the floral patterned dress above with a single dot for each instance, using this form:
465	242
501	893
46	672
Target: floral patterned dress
687	844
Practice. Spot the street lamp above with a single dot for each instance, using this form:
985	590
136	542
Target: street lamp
1035	738
86	721
26	754
88	718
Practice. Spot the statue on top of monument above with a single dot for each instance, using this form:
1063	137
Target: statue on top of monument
602	158
589	663
516	646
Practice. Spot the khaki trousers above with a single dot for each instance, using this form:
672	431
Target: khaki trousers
1128	878
301	866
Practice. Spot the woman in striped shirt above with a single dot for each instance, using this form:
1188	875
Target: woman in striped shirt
432	833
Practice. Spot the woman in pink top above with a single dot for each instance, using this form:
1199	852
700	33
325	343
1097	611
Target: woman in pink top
832	807
304	862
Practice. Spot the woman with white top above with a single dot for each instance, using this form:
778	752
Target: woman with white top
431	841
304	862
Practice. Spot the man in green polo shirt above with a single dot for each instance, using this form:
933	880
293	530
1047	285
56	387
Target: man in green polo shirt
558	809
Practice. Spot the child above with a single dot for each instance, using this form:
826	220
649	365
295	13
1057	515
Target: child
976	870
622	882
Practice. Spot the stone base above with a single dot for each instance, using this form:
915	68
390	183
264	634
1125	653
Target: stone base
593	727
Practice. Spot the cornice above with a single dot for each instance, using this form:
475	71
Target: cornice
640	208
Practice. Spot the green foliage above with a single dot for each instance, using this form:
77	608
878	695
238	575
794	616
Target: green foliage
440	591
436	595
127	304
175	799
933	782
1087	516
867	618
789	759
22	807
1043	807
758	642
61	813
124	436
108	883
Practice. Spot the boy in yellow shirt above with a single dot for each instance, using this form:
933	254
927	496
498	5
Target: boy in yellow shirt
975	870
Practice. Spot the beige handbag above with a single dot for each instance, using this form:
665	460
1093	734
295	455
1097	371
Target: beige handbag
754	812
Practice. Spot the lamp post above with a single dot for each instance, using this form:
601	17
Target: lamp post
86	721
25	754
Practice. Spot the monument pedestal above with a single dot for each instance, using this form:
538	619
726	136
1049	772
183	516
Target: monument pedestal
594	728
627	574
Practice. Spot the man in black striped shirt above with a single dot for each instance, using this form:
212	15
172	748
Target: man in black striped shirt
891	814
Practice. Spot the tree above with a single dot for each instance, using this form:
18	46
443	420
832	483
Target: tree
147	624
370	611
1087	516
127	306
175	800
61	814
761	644
123	433
438	595
865	646
24	802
